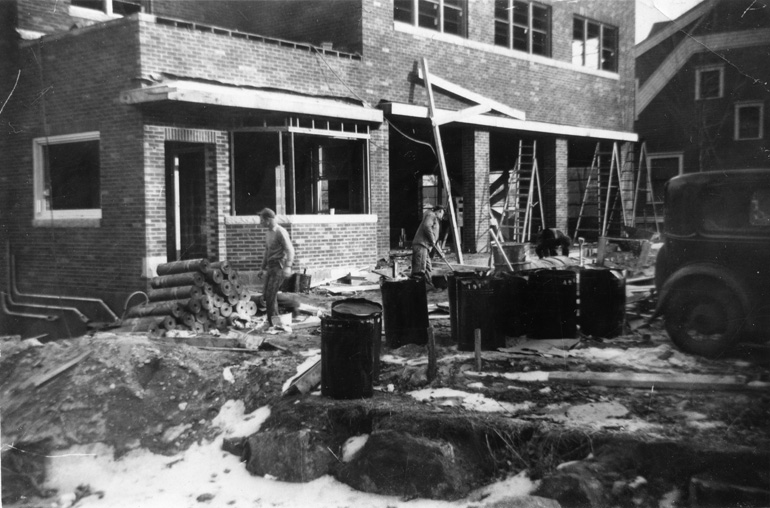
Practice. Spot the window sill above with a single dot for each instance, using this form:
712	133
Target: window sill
399	26
67	223
305	219
92	14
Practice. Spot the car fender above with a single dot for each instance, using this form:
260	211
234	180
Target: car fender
710	270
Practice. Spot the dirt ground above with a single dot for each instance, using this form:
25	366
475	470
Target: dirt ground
132	391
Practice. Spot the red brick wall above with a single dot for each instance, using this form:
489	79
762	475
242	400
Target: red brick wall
475	167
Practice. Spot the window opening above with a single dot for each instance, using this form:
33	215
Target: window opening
594	45
748	121
523	26
67	176
117	7
447	16
709	83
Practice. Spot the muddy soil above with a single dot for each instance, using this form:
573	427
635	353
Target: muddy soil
134	391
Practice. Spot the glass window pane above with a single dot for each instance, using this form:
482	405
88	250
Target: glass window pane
501	33
592	46
428	14
609	49
501	10
748	122
760	208
74	173
540	18
453	17
578	43
539	43
402	10
520	39
521	13
710	84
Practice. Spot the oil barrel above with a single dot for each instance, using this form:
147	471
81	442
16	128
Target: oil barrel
452	282
510	304
346	358
602	302
405	307
476	311
554	303
368	313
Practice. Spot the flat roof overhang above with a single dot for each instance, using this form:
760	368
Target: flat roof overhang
237	97
413	111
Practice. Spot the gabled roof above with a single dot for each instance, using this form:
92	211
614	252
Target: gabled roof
671	27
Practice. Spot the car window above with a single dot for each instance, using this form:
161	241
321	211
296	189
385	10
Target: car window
724	209
759	216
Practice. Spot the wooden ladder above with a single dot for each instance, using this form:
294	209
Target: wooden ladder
524	194
647	209
602	197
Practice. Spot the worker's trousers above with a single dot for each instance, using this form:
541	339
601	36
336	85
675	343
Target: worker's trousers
273	281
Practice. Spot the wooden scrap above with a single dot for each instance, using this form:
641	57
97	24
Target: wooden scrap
47	376
305	381
310	322
338	290
658	381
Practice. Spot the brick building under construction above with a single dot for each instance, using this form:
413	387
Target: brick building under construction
142	131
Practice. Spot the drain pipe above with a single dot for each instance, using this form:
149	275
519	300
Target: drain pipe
17	293
74	310
9	312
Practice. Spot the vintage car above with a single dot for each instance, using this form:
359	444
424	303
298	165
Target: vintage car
713	271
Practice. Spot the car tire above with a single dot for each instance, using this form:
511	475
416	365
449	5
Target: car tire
703	316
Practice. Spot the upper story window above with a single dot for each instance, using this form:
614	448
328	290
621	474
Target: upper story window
105	7
447	16
523	26
67	174
709	82
749	120
594	45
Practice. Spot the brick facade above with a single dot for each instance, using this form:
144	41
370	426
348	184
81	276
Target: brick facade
74	80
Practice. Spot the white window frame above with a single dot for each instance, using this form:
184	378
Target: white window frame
746	105
710	68
415	21
42	210
530	29
106	13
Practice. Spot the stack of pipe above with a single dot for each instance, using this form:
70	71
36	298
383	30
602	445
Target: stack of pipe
195	294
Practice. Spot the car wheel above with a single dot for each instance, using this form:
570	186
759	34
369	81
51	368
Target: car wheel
703	317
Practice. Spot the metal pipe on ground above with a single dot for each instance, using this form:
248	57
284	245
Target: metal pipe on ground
82	317
174	293
187	265
8	312
99	306
171	308
178	279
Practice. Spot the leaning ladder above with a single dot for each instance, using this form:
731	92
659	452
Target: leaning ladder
523	184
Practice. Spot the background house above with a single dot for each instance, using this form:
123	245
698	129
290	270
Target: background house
703	90
150	130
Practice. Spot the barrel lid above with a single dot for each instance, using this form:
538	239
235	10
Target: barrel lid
357	307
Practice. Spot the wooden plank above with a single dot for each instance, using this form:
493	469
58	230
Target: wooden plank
463	113
305	381
442	161
339	290
44	378
651	381
471	96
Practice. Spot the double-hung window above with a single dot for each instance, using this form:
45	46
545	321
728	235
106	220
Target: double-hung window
447	16
709	82
594	45
67	174
523	26
749	120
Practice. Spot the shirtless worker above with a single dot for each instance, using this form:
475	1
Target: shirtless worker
277	261
424	240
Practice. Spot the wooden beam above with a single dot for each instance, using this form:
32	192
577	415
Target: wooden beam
472	96
463	113
652	381
442	161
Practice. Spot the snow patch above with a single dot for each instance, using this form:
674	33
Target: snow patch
352	446
234	423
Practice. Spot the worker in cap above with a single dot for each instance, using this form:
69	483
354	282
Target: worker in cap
426	239
277	261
